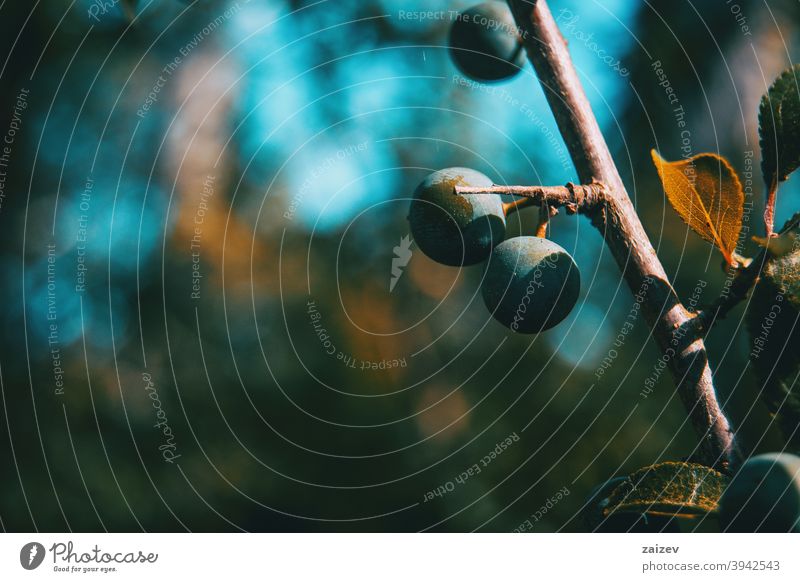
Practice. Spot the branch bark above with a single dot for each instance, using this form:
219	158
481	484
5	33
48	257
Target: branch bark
679	339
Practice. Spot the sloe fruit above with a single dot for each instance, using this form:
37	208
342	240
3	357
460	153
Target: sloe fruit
531	284
455	229
764	496
485	44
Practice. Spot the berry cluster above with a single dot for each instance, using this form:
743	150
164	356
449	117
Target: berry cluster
530	283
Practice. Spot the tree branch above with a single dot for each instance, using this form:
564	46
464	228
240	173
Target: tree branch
680	341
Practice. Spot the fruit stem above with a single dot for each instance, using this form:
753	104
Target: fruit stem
545	213
510	208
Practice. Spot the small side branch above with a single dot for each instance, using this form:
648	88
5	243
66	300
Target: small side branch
575	198
742	283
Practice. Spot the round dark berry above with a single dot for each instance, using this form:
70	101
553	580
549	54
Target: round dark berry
485	44
455	229
764	496
530	284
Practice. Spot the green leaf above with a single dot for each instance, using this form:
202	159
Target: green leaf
773	323
779	131
684	490
779	126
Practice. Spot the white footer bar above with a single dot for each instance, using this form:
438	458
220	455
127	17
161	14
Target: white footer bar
399	557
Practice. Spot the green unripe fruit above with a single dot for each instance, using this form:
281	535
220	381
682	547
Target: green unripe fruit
764	496
484	43
530	284
455	229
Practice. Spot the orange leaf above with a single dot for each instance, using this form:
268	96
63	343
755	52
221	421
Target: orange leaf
707	194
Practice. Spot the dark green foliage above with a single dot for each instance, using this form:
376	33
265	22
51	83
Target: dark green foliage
484	43
453	229
764	496
530	284
773	323
779	127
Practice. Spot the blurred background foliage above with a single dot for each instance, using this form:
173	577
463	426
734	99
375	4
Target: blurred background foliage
298	131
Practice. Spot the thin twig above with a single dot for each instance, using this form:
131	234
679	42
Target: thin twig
575	198
546	212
